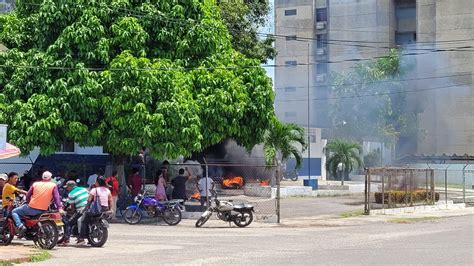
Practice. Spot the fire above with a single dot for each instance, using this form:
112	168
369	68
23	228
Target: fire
236	182
196	195
264	183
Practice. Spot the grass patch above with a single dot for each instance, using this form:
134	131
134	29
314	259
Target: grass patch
413	220
349	214
40	256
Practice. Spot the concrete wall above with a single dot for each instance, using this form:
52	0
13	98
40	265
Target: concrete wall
448	119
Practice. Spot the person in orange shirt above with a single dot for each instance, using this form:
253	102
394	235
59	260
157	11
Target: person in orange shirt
39	198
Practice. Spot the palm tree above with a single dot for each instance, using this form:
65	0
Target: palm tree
284	141
345	154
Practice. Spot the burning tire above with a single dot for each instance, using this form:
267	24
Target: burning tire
244	219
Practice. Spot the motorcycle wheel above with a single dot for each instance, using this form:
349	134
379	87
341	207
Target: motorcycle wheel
203	219
132	216
172	216
98	234
47	235
244	219
294	178
7	234
60	234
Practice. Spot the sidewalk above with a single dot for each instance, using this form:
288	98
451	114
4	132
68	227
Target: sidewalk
335	220
17	253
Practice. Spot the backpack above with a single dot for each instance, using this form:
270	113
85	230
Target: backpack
95	208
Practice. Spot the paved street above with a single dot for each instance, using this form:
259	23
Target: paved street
441	242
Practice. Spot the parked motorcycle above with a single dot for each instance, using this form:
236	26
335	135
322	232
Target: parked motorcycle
98	227
42	229
289	175
240	214
169	211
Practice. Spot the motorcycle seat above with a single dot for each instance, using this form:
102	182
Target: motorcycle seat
34	217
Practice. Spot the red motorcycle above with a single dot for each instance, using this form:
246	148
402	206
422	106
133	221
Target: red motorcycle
42	229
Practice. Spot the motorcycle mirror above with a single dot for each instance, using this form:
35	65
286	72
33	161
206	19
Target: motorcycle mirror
78	181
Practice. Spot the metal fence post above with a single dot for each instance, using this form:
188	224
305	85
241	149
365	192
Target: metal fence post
368	192
464	184
383	191
411	181
207	190
433	196
446	186
278	172
366	209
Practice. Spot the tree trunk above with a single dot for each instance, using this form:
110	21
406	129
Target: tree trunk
119	165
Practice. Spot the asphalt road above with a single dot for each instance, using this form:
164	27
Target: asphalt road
447	241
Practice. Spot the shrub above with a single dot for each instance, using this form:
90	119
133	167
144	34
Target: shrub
404	197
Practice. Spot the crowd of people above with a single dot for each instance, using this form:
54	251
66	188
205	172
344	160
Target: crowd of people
41	192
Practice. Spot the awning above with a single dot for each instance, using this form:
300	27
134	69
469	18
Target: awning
10	151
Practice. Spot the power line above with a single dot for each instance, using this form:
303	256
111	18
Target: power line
181	21
142	14
374	94
378	82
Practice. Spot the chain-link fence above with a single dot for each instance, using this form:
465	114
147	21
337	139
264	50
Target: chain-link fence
239	183
391	187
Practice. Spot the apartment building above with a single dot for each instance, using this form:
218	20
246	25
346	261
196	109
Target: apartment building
317	37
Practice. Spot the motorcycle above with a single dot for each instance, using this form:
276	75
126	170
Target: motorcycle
42	229
289	175
240	214
98	227
169	211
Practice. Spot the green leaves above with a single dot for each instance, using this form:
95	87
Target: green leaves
125	74
345	153
285	141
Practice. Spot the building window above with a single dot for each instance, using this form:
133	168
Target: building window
312	138
291	38
290	114
402	38
67	146
321	14
290	89
321	69
322	40
291	63
290	12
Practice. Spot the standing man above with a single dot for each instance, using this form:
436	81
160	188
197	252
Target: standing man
9	189
91	180
78	199
205	186
113	185
134	182
179	184
38	197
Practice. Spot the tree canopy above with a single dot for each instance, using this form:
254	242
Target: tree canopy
126	74
244	18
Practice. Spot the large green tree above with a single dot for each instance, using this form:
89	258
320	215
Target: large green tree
244	19
126	74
